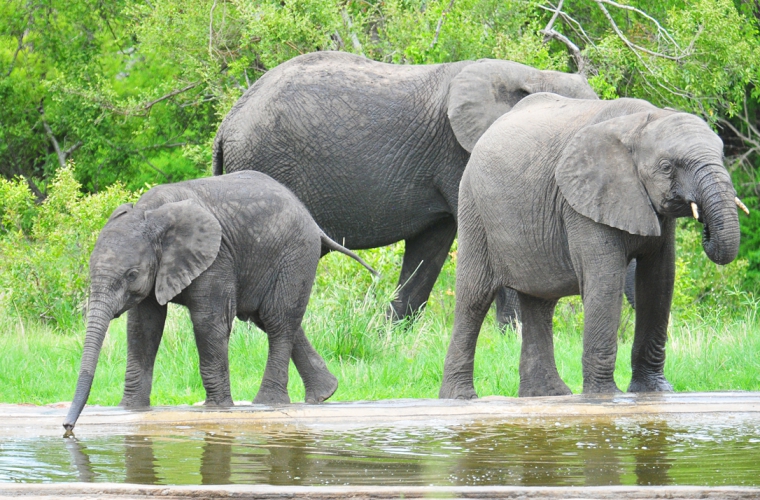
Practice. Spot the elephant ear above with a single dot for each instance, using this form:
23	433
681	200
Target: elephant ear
189	237
482	92
597	175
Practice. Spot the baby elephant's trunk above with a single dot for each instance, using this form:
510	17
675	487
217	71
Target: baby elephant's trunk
98	318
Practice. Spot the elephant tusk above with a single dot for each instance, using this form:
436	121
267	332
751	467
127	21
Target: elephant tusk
741	205
694	210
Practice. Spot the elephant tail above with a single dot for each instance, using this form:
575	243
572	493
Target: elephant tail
217	158
332	245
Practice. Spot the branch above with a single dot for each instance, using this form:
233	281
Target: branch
211	30
557	10
49	132
147	106
18	50
580	62
146	160
293	46
632	46
654	21
40	197
550	33
573	23
743	137
350	26
440	23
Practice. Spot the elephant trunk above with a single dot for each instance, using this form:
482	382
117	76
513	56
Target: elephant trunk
98	318
720	236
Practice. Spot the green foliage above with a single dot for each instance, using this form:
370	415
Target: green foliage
702	285
45	248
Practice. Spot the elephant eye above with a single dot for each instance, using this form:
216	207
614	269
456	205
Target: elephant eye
666	167
132	275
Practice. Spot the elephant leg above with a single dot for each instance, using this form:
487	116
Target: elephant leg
145	327
212	335
281	314
274	383
475	292
599	258
602	303
630	283
319	383
538	369
424	256
655	275
507	307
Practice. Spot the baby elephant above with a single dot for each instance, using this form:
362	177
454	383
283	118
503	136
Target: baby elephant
237	245
558	196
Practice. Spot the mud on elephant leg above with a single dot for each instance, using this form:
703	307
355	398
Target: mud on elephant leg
424	257
145	327
538	369
319	383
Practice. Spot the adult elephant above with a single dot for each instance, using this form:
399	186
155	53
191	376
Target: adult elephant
588	186
376	151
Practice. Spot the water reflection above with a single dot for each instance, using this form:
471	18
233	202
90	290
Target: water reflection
216	460
560	452
80	460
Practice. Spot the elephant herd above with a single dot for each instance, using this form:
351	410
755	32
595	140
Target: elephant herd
552	191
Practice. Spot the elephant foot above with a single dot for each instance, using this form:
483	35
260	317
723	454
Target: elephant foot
553	388
135	402
270	397
322	389
601	388
453	391
222	401
399	311
656	383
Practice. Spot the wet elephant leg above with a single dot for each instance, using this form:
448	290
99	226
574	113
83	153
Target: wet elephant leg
538	369
319	383
145	327
424	256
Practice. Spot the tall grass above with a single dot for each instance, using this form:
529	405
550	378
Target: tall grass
372	358
44	249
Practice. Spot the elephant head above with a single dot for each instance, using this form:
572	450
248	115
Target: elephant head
630	170
488	88
139	252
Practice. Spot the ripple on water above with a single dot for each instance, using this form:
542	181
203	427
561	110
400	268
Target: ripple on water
704	451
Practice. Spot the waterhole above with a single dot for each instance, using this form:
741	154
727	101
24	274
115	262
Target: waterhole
711	448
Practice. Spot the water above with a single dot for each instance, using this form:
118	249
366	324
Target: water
706	449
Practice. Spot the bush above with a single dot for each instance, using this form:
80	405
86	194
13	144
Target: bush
45	248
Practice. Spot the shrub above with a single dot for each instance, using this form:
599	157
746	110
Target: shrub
45	248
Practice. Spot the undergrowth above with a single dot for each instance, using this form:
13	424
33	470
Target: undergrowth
714	342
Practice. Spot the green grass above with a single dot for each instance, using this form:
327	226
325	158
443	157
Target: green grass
372	358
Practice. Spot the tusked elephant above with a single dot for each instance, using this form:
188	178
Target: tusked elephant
238	245
558	196
376	151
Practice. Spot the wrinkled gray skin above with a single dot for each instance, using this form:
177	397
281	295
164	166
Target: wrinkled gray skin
376	151
237	245
558	196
